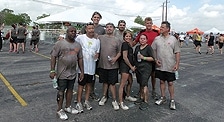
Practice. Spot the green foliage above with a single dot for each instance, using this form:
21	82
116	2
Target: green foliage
8	17
139	20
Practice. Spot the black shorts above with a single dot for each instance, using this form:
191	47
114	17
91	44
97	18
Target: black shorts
65	84
124	68
109	76
13	40
197	43
87	79
165	76
34	42
20	40
220	45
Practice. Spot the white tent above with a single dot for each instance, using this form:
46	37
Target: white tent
83	15
213	30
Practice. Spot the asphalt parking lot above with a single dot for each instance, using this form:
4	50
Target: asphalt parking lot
27	94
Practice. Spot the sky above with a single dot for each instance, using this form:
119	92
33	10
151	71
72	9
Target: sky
184	15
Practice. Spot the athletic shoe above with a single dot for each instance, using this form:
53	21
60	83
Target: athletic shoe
87	105
161	101
94	96
129	98
115	105
138	101
143	106
123	106
79	107
154	95
172	105
71	110
62	115
102	100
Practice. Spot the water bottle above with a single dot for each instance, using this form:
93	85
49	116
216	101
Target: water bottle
138	56
176	74
54	81
109	58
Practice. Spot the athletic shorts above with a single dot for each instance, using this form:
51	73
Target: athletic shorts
109	76
20	40
165	76
65	84
220	45
87	79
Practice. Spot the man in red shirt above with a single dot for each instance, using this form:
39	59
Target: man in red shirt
151	34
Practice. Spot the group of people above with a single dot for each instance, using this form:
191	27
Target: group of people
109	52
211	41
17	37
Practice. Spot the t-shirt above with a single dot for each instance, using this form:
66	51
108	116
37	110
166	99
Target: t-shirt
119	35
150	35
143	67
99	30
21	33
13	32
165	48
90	46
34	34
109	46
181	37
67	54
126	47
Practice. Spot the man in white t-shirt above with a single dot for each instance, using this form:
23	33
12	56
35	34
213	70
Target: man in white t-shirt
181	37
90	50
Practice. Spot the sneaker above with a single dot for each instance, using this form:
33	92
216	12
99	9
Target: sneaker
79	107
115	105
172	105
143	106
129	98
138	101
161	101
123	106
62	115
71	110
87	105
103	100
94	96
154	95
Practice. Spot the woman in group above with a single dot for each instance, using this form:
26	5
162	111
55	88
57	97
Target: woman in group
143	61
126	66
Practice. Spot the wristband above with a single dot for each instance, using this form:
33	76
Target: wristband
144	58
52	71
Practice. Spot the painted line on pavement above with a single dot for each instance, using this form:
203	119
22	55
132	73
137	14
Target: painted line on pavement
42	55
13	91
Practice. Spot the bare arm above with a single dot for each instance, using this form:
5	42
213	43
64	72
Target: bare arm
53	63
177	56
81	67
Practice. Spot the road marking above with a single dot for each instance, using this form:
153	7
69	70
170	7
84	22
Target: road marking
12	90
42	55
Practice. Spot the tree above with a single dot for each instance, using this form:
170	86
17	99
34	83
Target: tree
8	17
43	16
139	20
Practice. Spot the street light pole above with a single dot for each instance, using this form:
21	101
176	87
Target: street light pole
163	12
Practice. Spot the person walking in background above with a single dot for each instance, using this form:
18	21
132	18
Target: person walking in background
90	50
167	56
110	47
198	43
186	39
34	39
12	38
126	65
1	37
221	41
151	34
210	43
21	36
98	30
143	61
38	39
67	53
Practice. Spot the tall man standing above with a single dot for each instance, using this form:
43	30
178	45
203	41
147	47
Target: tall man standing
110	47
68	54
98	30
151	34
167	56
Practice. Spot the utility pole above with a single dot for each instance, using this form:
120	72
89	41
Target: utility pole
166	12
163	12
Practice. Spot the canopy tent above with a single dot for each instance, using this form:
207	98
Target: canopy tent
213	30
195	30
83	15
